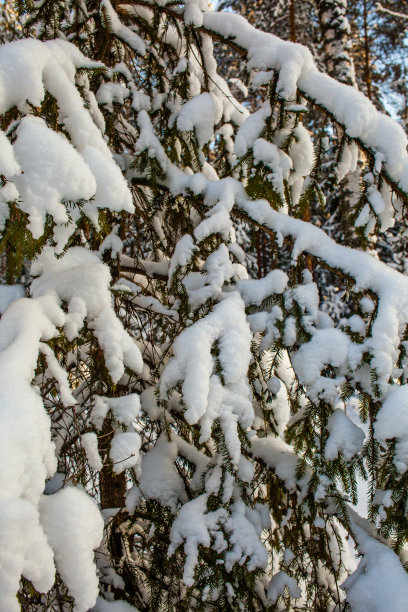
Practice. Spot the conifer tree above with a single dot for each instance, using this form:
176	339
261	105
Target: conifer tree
200	430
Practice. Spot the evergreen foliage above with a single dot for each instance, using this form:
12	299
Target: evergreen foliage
221	422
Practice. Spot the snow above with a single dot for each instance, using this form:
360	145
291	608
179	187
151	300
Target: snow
82	280
51	171
193	12
194	527
200	114
74	528
255	291
8	295
8	163
123	32
251	129
392	422
380	582
160	479
182	255
390	286
280	457
124	450
277	586
112	606
216	272
280	406
278	161
53	168
297	69
205	397
246	545
110	93
24	550
148	401
313	356
126	408
201	377
89	443
59	374
344	437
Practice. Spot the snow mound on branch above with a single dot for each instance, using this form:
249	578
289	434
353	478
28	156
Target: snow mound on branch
74	528
380	582
124	450
392	422
345	437
81	280
54	169
160	479
206	398
27	454
200	113
297	69
24	550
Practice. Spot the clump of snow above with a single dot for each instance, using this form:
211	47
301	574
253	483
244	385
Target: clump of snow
52	171
123	32
380	582
82	280
279	583
160	479
194	526
124	450
205	397
24	550
392	422
89	442
74	528
254	291
313	356
344	437
281	458
200	113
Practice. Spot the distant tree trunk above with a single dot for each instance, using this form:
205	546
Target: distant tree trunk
336	43
367	52
292	20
